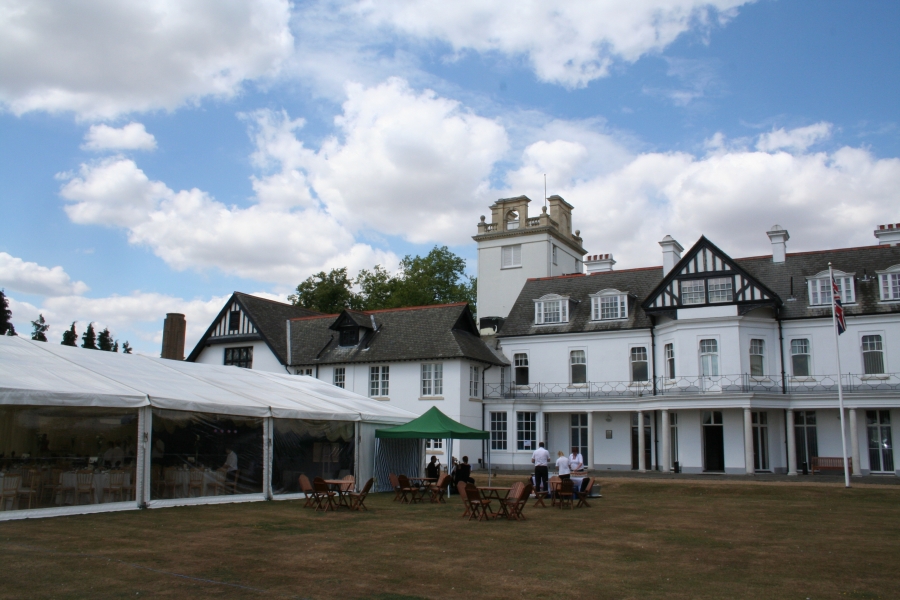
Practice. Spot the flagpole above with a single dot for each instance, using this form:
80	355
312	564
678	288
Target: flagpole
837	352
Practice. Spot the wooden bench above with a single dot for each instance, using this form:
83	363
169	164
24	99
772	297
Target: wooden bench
829	463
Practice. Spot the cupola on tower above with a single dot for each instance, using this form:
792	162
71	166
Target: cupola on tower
515	247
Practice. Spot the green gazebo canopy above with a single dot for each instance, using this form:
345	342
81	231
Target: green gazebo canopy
433	425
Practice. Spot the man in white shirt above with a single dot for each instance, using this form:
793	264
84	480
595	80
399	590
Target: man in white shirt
576	461
231	465
540	458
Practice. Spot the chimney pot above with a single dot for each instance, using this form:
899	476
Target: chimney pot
599	263
888	235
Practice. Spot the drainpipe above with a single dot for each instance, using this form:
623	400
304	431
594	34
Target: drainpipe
781	351
653	353
483	371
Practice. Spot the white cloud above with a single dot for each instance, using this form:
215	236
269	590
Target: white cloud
137	317
105	58
189	229
130	137
570	43
32	278
405	163
798	139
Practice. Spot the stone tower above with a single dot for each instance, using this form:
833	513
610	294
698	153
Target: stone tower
515	247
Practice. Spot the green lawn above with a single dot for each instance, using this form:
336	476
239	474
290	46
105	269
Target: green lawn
643	539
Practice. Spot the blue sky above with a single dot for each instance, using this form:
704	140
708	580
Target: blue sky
156	158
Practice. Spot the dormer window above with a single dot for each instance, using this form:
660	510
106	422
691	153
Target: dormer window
889	283
349	336
234	321
609	305
820	288
551	309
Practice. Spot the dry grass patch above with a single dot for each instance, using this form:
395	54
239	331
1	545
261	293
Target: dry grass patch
641	540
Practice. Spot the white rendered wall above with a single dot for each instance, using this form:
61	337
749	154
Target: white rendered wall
263	358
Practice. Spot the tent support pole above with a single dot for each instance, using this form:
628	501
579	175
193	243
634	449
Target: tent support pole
357	434
142	473
268	423
490	471
375	461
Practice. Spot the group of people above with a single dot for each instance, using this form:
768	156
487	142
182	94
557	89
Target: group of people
565	466
462	471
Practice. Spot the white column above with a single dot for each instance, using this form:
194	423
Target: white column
666	465
268	424
791	443
854	444
589	459
748	443
144	446
541	434
642	461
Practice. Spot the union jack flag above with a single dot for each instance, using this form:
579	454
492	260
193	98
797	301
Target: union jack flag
838	307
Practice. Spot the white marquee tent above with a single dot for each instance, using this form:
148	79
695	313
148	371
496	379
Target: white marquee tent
168	425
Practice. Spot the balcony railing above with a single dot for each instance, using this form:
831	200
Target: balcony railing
718	384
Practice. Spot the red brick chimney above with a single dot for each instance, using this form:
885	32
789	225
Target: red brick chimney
173	336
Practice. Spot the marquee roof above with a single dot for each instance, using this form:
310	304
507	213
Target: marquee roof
433	425
46	374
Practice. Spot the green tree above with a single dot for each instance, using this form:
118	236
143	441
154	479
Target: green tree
376	289
89	338
6	325
126	349
327	293
436	278
105	341
70	338
40	329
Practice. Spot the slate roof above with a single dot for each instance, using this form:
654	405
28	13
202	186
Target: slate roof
804	265
270	318
415	333
639	283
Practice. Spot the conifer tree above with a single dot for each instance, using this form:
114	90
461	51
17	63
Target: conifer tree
6	326
105	341
70	337
116	346
40	329
89	338
126	349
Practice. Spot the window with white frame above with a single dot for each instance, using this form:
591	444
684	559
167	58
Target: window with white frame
498	431
757	358
521	365
820	289
511	256
693	292
526	430
307	371
474	378
502	380
379	378
890	284
800	360
639	367
432	379
577	367
873	355
673	437
720	289
339	376
551	309
709	358
670	361
434	444
609	305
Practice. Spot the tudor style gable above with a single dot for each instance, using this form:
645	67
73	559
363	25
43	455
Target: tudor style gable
706	276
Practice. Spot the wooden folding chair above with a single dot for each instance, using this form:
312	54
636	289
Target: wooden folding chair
566	493
395	483
480	507
326	496
583	496
312	499
439	489
409	492
461	489
348	487
358	499
512	505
